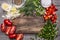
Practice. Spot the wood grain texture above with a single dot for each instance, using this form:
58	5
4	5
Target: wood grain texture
28	24
56	2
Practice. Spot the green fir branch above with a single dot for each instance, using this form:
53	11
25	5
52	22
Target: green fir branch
31	7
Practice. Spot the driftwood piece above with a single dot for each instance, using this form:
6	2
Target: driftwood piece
28	24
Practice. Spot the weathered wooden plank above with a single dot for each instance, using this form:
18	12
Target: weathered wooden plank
28	24
56	2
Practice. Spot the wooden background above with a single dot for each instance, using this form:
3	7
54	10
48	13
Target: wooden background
30	36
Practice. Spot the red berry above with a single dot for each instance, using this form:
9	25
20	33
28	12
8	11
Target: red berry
3	27
52	6
7	22
13	29
51	11
47	9
46	18
55	16
19	37
54	13
54	21
50	16
12	36
56	9
8	30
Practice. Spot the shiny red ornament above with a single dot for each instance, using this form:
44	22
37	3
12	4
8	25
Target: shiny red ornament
19	37
8	22
12	36
8	30
13	29
3	27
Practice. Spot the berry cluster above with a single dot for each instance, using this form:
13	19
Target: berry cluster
50	14
8	28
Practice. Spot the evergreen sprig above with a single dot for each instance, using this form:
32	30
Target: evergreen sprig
31	7
49	31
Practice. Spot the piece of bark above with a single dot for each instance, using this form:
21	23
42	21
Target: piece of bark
28	24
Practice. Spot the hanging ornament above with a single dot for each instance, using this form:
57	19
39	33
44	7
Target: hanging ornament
8	22
46	3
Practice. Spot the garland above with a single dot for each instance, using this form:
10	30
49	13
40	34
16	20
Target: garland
49	30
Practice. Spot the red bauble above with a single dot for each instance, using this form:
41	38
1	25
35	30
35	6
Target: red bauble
8	22
13	29
8	30
19	37
3	28
12	36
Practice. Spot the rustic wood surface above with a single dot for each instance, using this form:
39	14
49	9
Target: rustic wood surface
29	36
28	24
